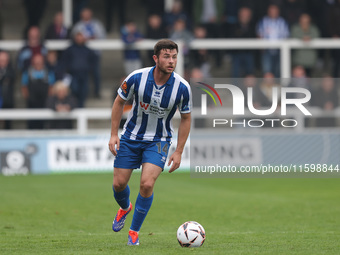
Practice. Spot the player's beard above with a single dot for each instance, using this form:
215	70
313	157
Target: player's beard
164	71
163	68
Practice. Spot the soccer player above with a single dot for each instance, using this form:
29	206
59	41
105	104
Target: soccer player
157	92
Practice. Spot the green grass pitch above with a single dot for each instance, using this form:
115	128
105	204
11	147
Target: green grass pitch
72	214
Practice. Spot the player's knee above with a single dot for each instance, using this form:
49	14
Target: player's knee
146	187
118	185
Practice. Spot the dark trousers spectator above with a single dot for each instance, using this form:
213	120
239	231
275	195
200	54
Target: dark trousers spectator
243	63
336	62
213	31
271	62
35	104
7	77
120	8
97	75
34	11
1	23
78	5
79	87
36	90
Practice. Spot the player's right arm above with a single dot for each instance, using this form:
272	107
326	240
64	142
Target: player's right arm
116	116
125	93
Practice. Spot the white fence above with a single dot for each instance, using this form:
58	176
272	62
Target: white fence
285	47
82	116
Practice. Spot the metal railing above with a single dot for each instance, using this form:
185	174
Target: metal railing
82	116
285	47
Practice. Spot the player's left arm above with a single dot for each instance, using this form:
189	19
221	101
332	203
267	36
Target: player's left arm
183	133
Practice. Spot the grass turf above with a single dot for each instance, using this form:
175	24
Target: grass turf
72	214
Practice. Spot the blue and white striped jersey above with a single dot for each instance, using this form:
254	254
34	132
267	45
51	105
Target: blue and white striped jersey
273	29
153	106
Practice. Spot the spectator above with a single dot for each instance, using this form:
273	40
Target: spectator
209	14
57	30
272	27
188	6
196	76
321	13
34	11
78	6
262	93
61	101
88	26
180	32
266	89
250	81
7	78
334	29
37	84
131	35
201	57
299	80
32	47
306	32
110	7
243	60
326	98
154	7
230	17
52	64
52	60
92	29
155	30
1	20
327	94
292	10
259	8
175	14
78	60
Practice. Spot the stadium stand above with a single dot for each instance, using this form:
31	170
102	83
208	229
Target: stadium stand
14	22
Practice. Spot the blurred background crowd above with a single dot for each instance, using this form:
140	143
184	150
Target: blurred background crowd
77	77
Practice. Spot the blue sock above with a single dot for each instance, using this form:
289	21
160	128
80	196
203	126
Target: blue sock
142	207
122	197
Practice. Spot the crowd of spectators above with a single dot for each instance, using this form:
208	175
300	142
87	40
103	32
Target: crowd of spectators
185	20
42	72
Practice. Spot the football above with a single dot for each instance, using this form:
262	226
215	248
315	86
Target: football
191	234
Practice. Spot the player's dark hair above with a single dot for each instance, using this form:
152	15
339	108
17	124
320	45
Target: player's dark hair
164	44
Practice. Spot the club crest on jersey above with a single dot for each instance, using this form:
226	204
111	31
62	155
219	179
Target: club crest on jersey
124	87
155	102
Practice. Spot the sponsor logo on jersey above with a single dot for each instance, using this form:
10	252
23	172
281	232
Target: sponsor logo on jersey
152	109
144	105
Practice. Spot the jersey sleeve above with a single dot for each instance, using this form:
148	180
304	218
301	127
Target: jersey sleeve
125	90
186	101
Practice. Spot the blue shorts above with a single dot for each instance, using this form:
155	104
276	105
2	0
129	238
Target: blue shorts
132	154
